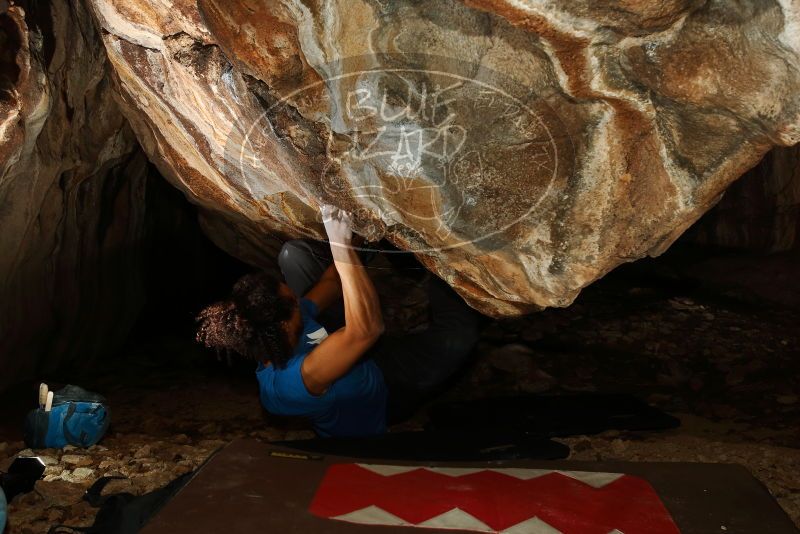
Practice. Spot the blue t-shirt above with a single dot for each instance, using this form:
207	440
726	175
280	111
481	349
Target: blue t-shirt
354	405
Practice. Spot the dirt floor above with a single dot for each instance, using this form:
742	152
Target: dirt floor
711	339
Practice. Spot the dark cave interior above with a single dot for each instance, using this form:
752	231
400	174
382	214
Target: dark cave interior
149	160
705	333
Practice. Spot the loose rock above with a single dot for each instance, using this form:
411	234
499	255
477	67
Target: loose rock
60	492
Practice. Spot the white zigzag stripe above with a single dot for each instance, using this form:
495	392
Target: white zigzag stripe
594	479
534	525
388	470
372	515
454	519
457	471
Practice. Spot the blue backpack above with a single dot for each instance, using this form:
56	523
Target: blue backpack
78	417
2	510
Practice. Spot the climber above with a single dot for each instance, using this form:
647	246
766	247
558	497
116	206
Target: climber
348	378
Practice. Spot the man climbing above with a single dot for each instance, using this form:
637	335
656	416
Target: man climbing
347	377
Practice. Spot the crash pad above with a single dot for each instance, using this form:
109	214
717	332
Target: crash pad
252	486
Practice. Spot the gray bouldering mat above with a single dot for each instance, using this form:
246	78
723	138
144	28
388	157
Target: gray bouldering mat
251	486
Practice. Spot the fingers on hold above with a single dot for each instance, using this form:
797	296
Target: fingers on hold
330	212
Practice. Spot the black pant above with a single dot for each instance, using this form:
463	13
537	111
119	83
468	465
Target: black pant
414	365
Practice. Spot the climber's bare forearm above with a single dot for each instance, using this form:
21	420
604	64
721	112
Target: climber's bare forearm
362	309
339	351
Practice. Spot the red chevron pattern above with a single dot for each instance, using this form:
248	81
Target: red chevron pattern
497	500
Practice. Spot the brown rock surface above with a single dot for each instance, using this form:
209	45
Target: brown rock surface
522	149
72	186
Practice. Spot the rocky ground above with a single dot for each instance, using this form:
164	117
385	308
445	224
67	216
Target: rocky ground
716	346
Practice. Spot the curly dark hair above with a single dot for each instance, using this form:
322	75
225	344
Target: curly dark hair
248	322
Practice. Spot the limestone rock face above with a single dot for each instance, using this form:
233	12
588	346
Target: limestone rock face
521	149
72	185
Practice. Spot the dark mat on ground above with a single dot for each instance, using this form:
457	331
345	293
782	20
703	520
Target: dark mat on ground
21	476
251	486
453	445
551	415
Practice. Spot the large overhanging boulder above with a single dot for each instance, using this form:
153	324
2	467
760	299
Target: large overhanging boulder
521	149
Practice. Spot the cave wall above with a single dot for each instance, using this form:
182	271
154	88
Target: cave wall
760	212
72	186
97	250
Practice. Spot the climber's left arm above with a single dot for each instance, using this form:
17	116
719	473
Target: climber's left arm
327	290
